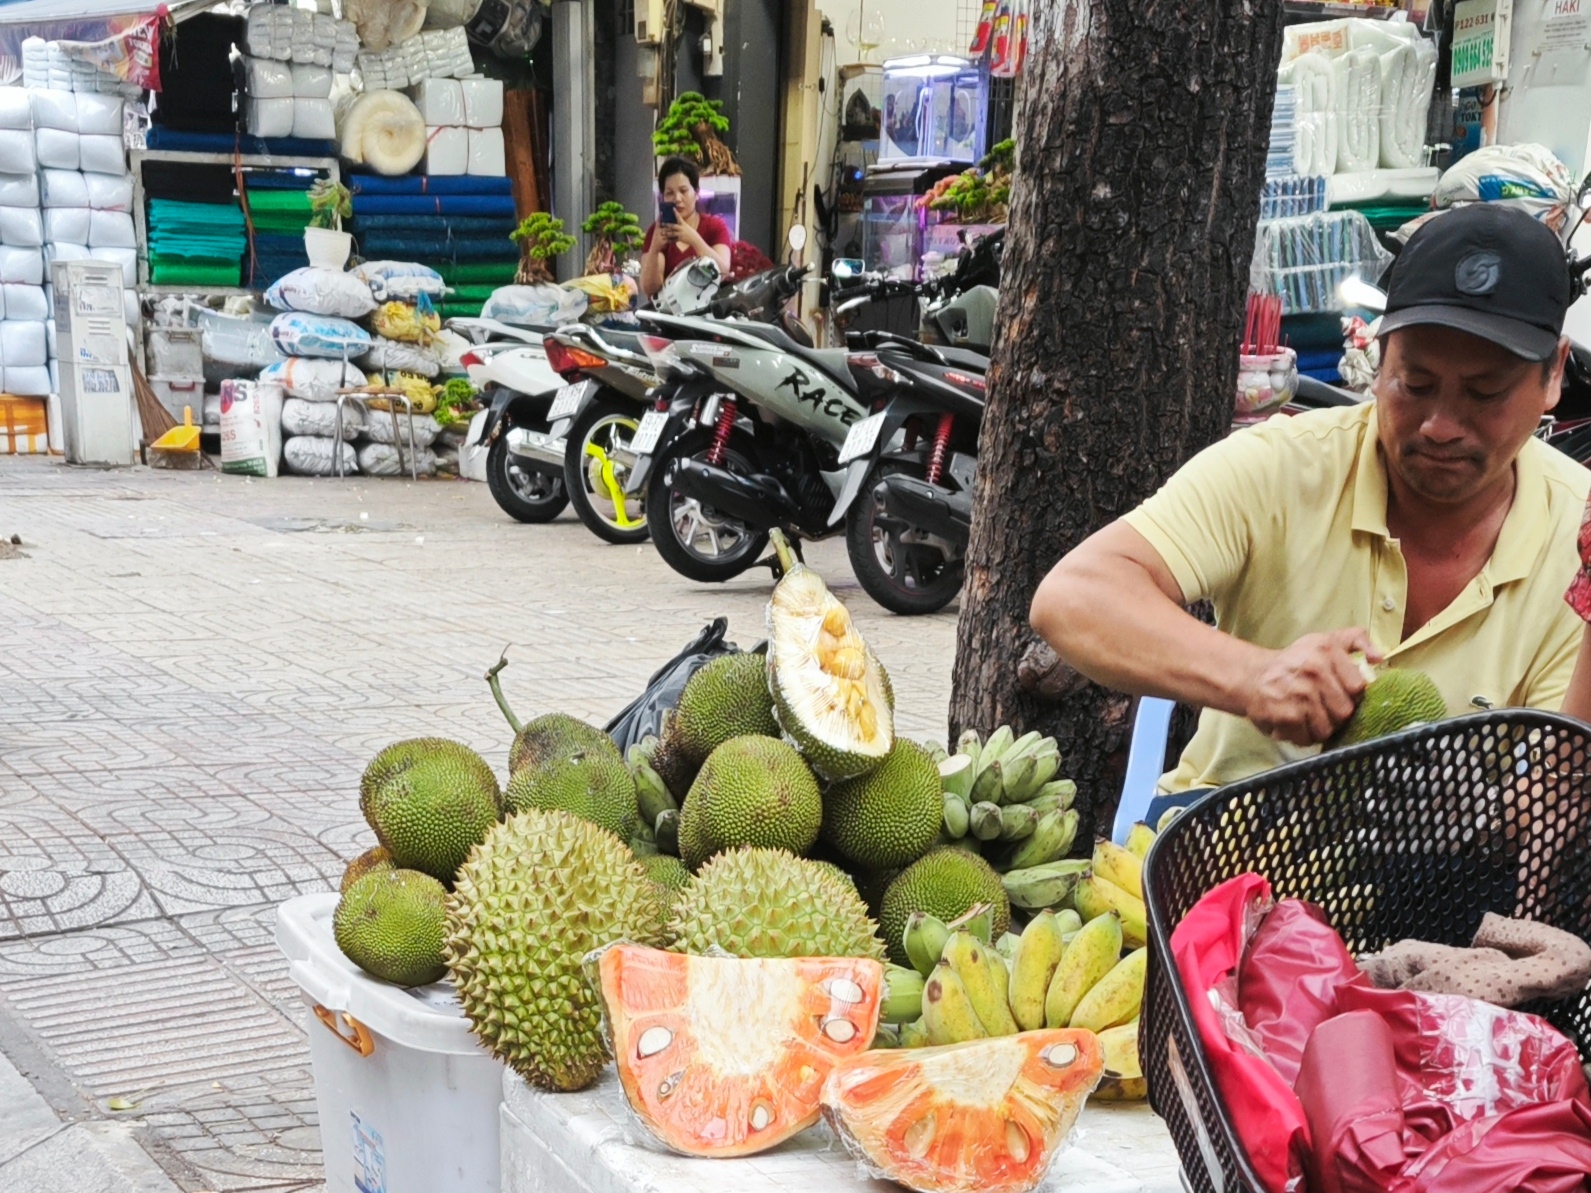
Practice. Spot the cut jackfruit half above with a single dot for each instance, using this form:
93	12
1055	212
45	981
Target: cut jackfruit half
830	693
721	1056
986	1116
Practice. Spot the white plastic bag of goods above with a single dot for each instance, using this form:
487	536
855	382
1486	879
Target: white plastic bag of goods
19	190
382	459
54	109
17	151
127	258
55	148
321	291
312	455
109	192
63	188
299	333
22	343
28	381
486	152
21	227
384	130
399	279
25	303
269	117
379	429
66	225
111	230
314	119
313	380
441	101
99	114
535	306
16	111
447	151
50	342
400	357
311	82
320	419
448	14
266	78
245	343
22	265
483	102
251	427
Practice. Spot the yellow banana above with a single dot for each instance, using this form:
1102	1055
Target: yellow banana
1038	954
1124	1079
1091	955
986	979
947	1011
1093	896
1117	997
1115	864
1140	839
1166	818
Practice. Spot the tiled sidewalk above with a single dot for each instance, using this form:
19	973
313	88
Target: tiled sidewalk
194	671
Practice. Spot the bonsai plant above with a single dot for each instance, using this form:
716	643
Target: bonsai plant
540	238
325	242
617	232
691	130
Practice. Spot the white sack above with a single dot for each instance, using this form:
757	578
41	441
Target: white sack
266	78
54	109
313	380
102	154
394	355
310	455
109	192
447	151
24	265
311	82
63	188
404	280
19	190
251	427
320	418
25	304
313	119
111	230
378	429
321	292
16	111
441	101
29	381
269	117
99	114
67	225
486	152
483	102
56	149
21	227
22	343
381	459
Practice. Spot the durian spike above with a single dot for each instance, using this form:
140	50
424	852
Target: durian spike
497	691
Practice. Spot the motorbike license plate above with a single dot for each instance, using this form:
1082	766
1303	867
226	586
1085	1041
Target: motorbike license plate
566	402
859	440
648	433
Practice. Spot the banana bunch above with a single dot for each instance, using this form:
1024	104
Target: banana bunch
1004	792
659	809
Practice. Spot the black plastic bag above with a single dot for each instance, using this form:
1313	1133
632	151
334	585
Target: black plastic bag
644	715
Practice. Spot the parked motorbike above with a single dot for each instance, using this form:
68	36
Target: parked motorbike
524	464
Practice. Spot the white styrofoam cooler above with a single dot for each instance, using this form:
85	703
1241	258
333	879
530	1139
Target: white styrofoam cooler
408	1100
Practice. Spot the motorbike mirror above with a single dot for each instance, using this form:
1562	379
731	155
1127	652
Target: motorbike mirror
797	239
846	268
1356	292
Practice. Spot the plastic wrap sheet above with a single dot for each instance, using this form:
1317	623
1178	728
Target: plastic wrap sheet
1304	259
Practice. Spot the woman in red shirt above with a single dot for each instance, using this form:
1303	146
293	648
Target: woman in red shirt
694	234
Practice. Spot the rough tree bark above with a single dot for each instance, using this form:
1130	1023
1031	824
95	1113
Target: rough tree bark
1142	138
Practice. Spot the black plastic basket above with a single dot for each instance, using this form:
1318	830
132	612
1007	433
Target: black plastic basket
1415	835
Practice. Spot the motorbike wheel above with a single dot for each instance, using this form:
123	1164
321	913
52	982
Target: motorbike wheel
595	478
694	539
523	493
905	577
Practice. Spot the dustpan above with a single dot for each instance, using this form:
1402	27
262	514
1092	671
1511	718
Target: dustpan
180	439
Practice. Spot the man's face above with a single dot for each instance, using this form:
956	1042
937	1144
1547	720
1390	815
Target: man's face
1455	409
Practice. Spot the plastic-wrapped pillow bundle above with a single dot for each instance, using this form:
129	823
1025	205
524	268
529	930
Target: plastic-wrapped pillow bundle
313	379
314	119
441	101
318	291
434	54
346	50
383	459
1407	78
298	333
291	34
265	78
269	117
24	303
21	227
100	115
22	265
109	192
483	102
63	188
1314	86
320	419
19	190
55	148
310	81
46	65
100	153
487	152
22	343
66	225
54	109
111	230
269	32
312	455
447	151
383	129
1358	109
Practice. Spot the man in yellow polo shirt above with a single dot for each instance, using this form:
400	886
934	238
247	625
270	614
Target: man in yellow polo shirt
1427	529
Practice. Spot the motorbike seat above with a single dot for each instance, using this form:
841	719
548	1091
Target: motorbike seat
965	358
832	361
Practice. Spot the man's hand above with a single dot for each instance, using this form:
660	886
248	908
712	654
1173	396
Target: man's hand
1304	694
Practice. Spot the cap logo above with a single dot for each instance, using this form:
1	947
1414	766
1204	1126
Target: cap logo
1477	272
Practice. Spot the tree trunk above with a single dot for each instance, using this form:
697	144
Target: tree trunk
1142	138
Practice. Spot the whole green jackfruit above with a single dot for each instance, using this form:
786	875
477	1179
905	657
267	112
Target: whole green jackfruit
769	903
430	802
944	882
367	862
891	815
596	786
390	924
750	791
1394	700
542	891
556	735
726	698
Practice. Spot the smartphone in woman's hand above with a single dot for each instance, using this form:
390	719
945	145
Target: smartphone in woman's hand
666	214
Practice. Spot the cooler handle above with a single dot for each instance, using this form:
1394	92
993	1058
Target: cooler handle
357	1036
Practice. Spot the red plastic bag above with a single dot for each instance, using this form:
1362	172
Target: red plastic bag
1208	948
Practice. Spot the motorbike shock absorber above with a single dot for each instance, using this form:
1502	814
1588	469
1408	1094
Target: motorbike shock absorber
721	430
941	448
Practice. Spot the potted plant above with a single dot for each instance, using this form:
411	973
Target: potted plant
326	243
691	129
617	232
540	238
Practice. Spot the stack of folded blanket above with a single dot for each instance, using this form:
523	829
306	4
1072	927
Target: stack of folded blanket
279	211
458	226
195	244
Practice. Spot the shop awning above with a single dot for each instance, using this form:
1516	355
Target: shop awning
117	35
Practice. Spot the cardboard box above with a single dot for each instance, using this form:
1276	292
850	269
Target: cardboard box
24	426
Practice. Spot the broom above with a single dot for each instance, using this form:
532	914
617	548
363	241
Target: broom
156	419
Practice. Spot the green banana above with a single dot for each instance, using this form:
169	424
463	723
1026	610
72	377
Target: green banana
903	995
1038	954
1061	791
957	819
1050	840
1067	920
924	941
956	775
995	746
986	787
1006	946
1017	821
977	919
986	979
985	821
651	795
1048	762
642	842
666	832
1016	778
913	1034
1115	864
936	751
970	744
1140	839
947	1010
1047	885
1023	746
1090	955
1093	896
1117	997
886	1035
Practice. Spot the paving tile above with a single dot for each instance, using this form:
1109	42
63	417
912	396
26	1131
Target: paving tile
56	874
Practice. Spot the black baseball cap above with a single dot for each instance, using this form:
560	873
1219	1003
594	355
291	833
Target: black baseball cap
1486	269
